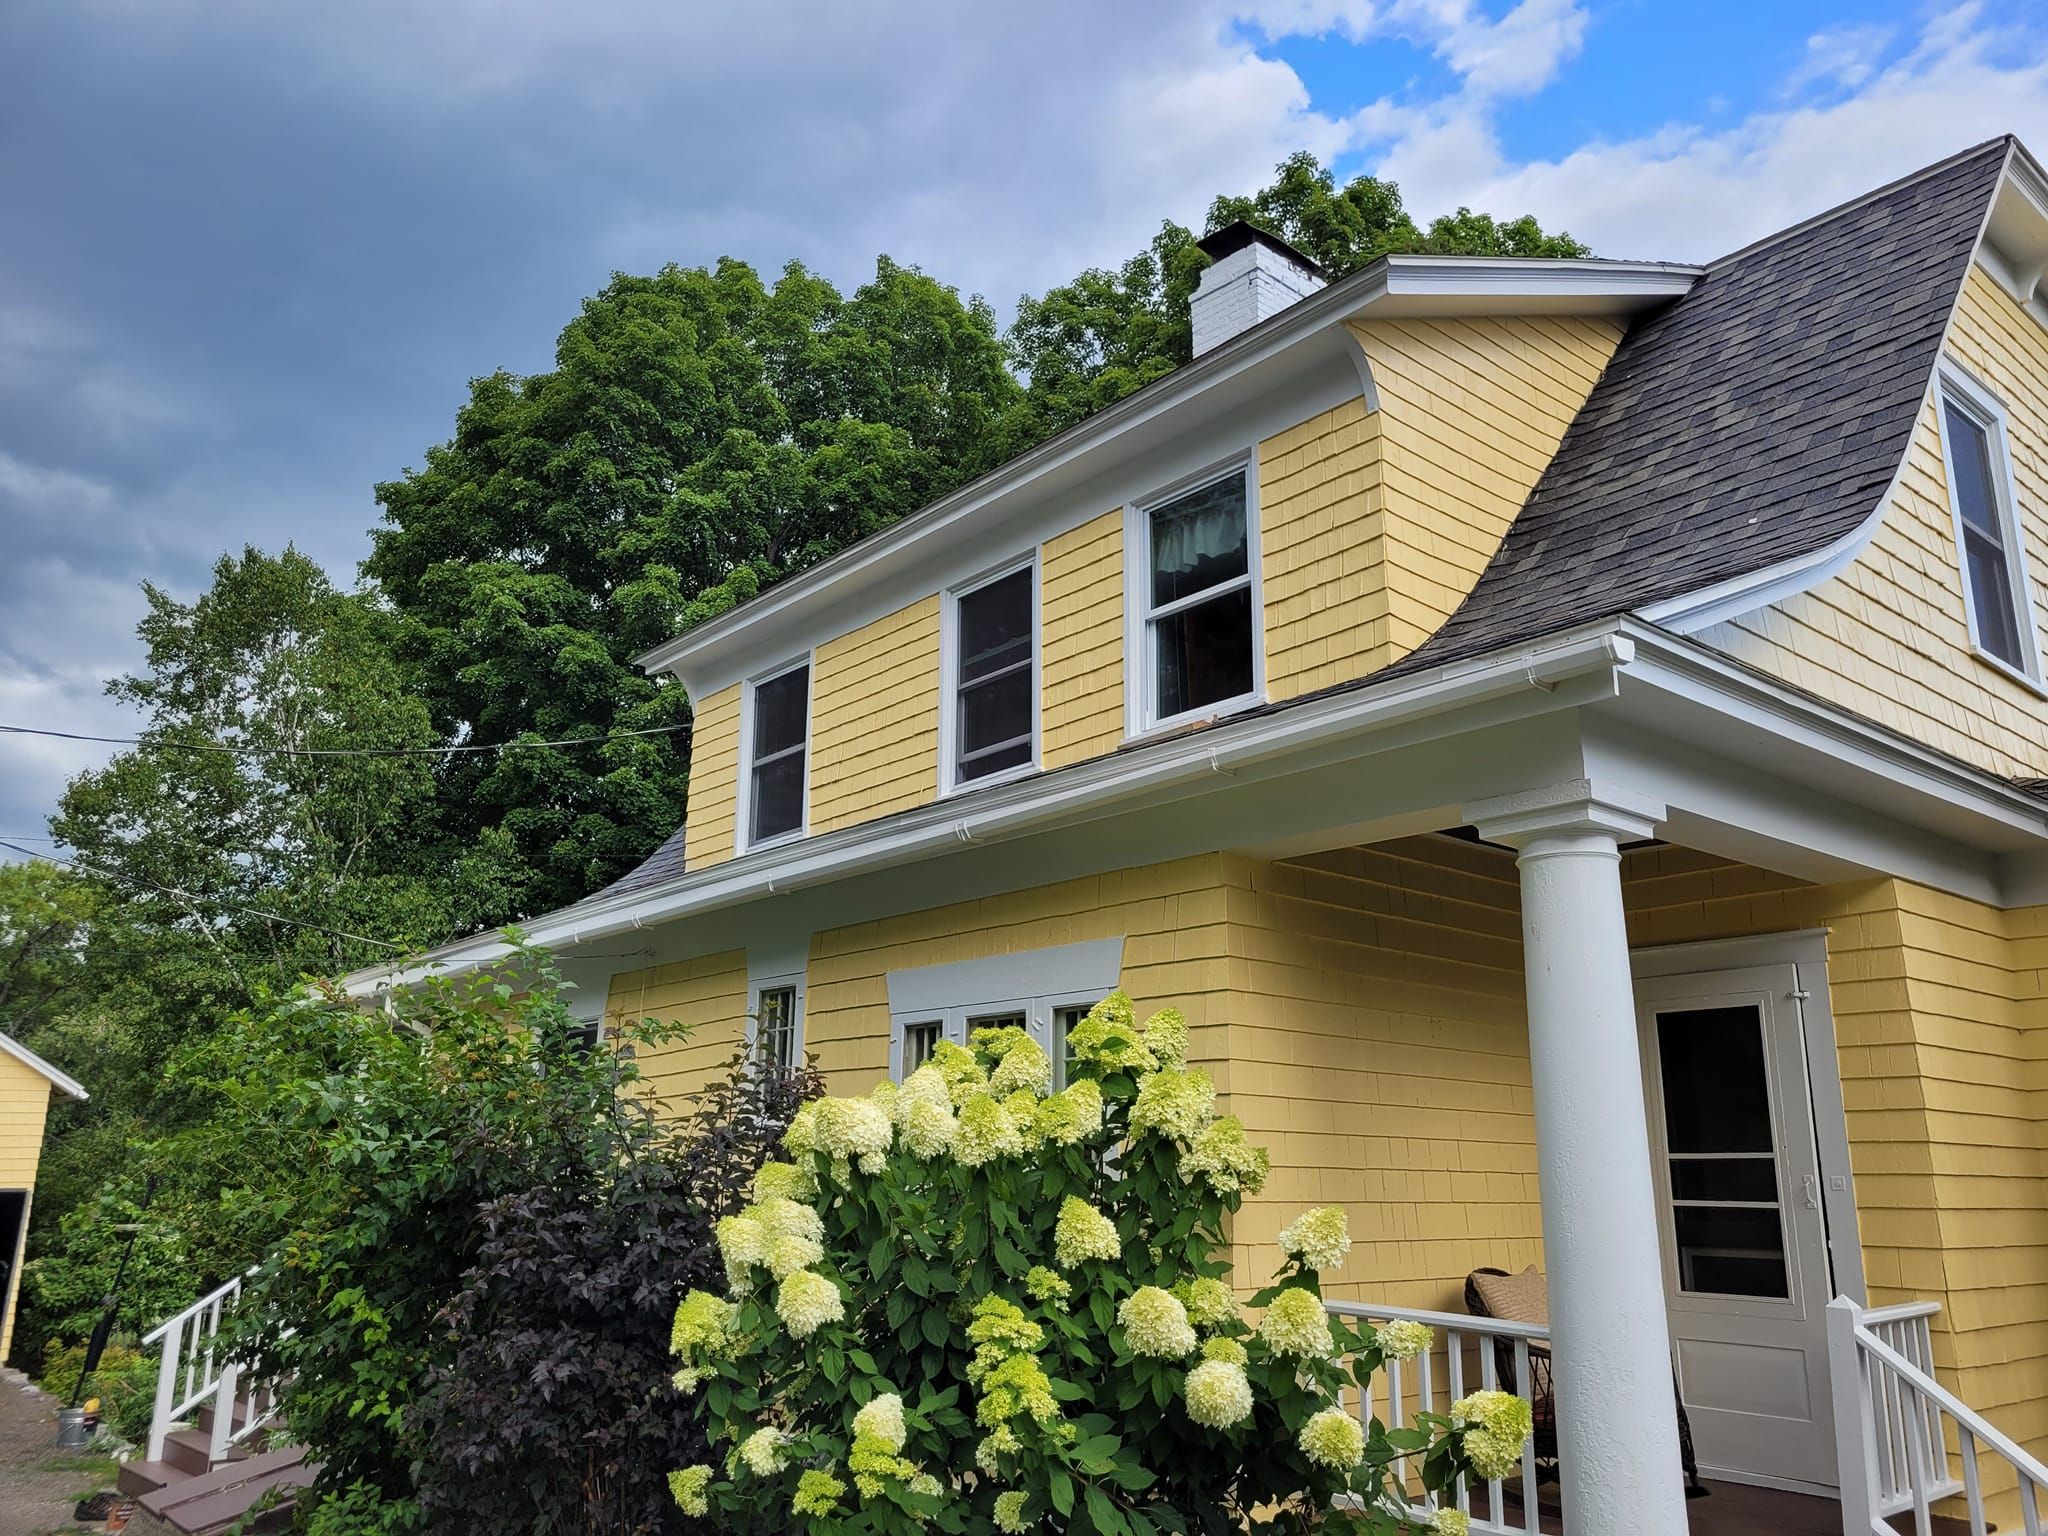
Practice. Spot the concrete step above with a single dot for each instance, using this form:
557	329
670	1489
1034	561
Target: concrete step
214	1501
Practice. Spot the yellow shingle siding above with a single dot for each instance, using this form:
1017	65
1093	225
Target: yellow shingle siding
24	1108
875	719
714	778
1322	532
1382	1058
1471	412
1170	916
1889	636
706	997
1081	606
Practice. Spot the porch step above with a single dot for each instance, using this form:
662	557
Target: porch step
216	1500
191	1451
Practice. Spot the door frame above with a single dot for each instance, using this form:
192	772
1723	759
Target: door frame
1807	951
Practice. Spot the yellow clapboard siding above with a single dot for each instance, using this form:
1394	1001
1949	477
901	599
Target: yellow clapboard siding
707	998
24	1110
1889	636
714	779
875	719
1081	618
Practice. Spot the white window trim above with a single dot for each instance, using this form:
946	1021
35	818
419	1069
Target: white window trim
743	821
1141	670
1954	386
949	682
1034	983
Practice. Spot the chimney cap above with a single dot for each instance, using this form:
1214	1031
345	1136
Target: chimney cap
1239	233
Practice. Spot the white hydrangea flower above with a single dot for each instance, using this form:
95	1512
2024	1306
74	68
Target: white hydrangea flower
883	1419
1319	1238
806	1301
1218	1394
1156	1324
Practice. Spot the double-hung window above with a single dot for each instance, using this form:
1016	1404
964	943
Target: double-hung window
1198	600
778	727
1995	587
991	726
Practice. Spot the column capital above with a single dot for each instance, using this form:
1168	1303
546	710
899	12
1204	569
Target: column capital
1567	807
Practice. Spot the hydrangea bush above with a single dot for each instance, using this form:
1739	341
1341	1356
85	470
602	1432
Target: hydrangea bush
969	1304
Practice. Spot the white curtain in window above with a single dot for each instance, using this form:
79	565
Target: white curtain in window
1194	534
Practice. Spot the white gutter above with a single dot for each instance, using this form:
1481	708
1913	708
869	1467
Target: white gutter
1064	796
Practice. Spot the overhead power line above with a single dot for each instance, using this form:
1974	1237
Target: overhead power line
261	751
193	896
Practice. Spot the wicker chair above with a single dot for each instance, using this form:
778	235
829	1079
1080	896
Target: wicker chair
1543	1402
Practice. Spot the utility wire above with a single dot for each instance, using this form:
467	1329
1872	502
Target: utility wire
255	751
172	890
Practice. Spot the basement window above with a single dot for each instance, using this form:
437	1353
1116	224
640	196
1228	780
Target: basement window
1198	593
1997	596
778	719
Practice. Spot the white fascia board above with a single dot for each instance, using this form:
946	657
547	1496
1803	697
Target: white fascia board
1697	672
1526	678
64	1082
1300	336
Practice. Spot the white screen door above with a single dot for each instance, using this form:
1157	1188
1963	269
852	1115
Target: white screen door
1737	1175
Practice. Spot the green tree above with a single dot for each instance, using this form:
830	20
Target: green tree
1087	343
701	435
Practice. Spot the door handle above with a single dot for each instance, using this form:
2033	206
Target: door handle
1810	1185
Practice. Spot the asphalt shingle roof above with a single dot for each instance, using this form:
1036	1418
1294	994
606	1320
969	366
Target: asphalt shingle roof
1758	419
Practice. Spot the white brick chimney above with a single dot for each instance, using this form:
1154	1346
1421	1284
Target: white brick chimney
1252	275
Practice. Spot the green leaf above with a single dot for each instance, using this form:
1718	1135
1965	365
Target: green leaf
1060	1487
1103	1514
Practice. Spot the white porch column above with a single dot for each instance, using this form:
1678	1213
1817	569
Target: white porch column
1617	1431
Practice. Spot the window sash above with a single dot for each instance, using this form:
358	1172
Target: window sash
775	1026
962	758
1979	470
760	763
1155	614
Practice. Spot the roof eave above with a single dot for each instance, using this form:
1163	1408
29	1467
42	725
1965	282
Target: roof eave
62	1081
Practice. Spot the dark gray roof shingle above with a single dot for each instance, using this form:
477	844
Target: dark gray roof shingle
1758	419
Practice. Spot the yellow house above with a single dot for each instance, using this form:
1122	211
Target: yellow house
1573	737
26	1083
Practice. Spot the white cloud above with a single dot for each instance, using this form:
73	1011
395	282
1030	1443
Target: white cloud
1691	192
1844	57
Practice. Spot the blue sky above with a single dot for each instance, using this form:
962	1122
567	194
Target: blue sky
252	252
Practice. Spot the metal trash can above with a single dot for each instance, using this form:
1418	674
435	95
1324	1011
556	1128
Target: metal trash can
71	1426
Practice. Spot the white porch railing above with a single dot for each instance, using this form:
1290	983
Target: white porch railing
1904	1441
196	1369
1463	1361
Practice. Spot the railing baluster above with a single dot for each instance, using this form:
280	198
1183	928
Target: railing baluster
2030	1509
1973	1494
1920	1471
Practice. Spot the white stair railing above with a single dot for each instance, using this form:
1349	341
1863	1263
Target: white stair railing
1904	1442
195	1369
1463	1361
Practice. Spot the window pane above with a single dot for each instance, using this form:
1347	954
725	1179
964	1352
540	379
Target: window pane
1063	1022
993	1021
1730	1252
779	710
1991	601
995	626
1198	540
1205	653
1969	449
1717	1094
775	1027
995	724
919	1041
1724	1178
778	798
